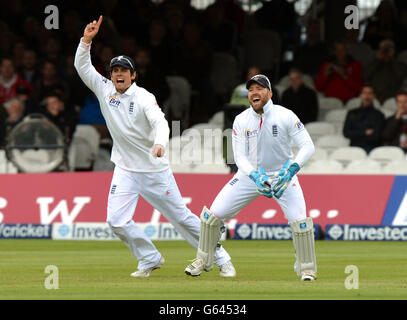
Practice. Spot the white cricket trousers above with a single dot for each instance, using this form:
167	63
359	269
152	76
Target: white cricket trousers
241	190
161	191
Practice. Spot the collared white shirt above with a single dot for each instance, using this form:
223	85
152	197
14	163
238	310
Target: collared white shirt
134	119
265	139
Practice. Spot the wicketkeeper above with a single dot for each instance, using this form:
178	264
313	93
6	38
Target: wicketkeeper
262	138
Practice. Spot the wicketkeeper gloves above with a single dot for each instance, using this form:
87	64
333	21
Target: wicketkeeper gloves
262	181
287	172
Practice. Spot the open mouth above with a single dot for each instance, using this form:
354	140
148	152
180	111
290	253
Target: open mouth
119	80
255	100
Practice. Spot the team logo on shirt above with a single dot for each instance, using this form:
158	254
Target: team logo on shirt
114	102
298	124
274	130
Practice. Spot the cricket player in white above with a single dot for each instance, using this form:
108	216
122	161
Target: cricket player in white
261	139
140	133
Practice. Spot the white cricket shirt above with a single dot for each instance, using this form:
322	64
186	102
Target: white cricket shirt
134	119
265	139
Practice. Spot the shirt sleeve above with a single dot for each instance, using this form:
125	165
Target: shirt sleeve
302	139
157	120
87	72
239	149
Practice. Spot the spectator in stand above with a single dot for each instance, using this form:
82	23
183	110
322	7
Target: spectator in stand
56	111
92	115
302	100
158	44
384	24
219	32
18	53
193	61
309	56
280	16
78	91
49	82
150	77
29	105
341	77
29	70
364	125
15	113
51	51
385	73
395	127
10	81
105	55
359	50
3	121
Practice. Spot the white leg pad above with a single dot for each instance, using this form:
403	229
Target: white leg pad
304	245
209	237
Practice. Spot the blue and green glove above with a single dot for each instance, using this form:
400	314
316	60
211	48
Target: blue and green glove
262	181
286	173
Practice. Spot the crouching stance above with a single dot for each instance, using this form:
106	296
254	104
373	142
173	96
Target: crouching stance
262	138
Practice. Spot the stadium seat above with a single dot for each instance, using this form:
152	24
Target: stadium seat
5	165
366	166
347	154
387	112
326	104
356	102
317	129
396	167
385	154
224	74
337	118
85	145
332	142
319	154
102	161
323	167
308	81
218	119
390	104
280	89
178	104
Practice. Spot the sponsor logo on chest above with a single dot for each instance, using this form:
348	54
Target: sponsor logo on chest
250	133
114	102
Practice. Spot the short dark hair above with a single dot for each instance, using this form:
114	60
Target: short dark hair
401	93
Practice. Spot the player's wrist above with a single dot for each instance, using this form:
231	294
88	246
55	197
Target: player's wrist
294	168
86	40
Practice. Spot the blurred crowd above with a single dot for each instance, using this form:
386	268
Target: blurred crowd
172	38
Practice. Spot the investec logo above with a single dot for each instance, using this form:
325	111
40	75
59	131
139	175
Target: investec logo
61	208
264	232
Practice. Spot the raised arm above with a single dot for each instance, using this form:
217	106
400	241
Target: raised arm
83	64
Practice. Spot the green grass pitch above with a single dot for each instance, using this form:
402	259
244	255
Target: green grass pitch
100	270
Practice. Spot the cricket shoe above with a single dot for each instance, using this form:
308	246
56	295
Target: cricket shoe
144	273
195	268
308	276
227	270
